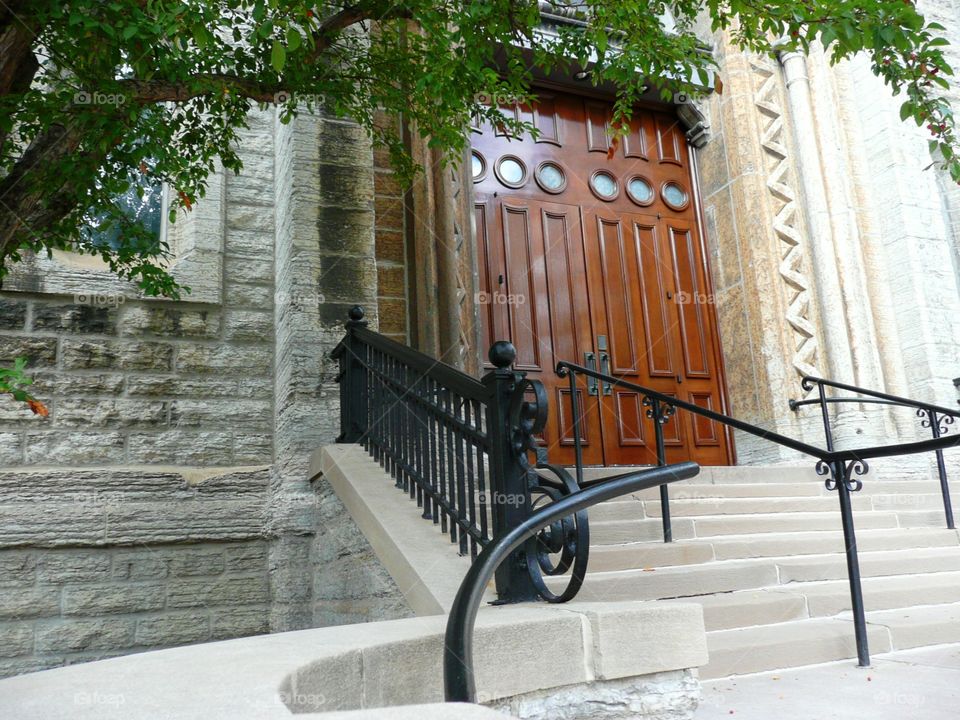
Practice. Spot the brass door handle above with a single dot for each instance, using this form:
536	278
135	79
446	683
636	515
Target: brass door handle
590	361
605	370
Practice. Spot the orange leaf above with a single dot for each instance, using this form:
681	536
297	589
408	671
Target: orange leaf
186	200
612	149
38	408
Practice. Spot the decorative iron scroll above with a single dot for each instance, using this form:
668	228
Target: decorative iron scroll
851	470
527	418
666	410
569	536
927	418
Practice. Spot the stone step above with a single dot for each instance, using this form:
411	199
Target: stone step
693	490
613	532
650	583
736	474
918	626
923	518
872	564
879	593
787	644
794	522
812	543
684	581
768	606
680	507
927	508
686	552
745	608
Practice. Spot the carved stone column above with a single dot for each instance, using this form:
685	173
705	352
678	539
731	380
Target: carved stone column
443	297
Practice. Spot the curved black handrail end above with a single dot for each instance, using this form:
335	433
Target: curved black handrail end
458	676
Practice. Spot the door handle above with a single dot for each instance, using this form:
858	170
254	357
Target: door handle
590	361
605	370
679	378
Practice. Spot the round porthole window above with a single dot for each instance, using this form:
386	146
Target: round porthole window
640	190
675	196
604	185
478	166
551	177
511	171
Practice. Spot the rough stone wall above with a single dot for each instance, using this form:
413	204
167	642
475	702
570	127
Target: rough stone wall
833	250
389	210
133	381
99	563
116	547
350	585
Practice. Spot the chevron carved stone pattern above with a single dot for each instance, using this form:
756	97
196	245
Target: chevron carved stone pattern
780	183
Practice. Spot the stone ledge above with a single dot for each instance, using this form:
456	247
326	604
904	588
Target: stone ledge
129	505
520	649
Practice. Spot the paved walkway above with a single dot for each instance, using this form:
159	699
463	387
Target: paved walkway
922	684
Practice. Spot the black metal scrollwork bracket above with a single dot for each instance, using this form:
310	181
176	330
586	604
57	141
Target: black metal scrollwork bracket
666	411
852	472
929	417
527	418
568	537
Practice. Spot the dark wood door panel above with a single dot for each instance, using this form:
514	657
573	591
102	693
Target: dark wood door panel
617	275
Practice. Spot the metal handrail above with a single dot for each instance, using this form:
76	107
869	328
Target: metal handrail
810	380
458	676
935	417
841	467
824	454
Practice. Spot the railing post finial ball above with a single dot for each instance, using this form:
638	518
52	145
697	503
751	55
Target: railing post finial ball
502	354
356	315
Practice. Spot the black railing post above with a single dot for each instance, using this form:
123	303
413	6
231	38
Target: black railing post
942	469
841	476
510	494
353	384
656	412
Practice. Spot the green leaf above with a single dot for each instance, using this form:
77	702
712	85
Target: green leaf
293	39
278	56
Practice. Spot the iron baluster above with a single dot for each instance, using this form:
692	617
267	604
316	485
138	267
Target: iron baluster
938	426
657	412
840	477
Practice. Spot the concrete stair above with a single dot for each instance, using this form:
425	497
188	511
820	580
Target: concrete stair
762	550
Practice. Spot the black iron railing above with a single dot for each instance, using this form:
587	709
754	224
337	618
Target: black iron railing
936	418
842	468
462	449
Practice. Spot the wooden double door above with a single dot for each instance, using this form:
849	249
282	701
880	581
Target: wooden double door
589	251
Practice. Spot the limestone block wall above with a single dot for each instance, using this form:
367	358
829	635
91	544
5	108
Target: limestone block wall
97	563
131	518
